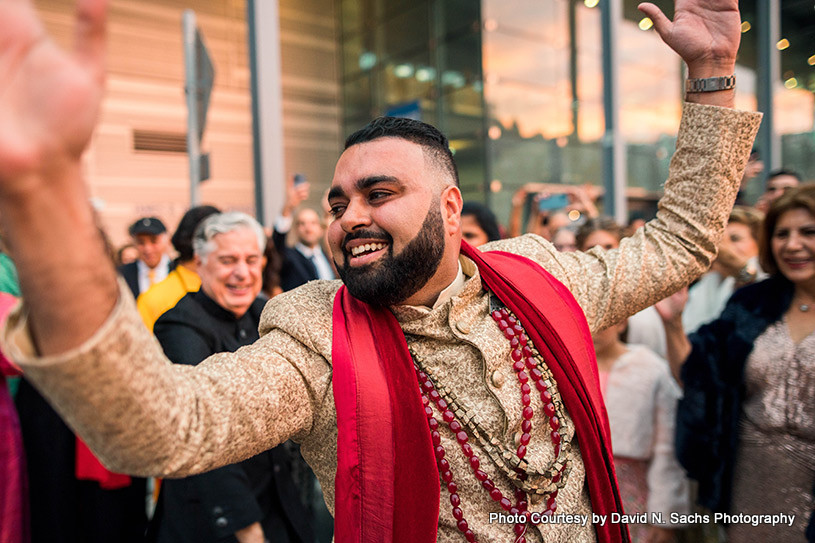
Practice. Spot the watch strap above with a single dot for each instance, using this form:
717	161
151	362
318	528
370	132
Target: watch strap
711	84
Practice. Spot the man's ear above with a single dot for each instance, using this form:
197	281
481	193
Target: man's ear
451	203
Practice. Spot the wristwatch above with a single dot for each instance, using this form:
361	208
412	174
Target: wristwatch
747	274
711	84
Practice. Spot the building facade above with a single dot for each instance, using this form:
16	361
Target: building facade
520	88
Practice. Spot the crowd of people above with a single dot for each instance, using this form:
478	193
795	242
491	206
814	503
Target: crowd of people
210	297
580	379
206	299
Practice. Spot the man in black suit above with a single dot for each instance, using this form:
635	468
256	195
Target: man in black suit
306	261
150	238
254	500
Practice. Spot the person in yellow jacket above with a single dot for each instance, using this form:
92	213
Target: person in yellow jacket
183	279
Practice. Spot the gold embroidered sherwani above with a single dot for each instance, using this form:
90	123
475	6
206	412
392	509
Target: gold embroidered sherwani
145	416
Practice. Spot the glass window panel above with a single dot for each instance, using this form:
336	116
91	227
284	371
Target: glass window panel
352	56
355	15
794	103
537	131
460	15
357	97
406	33
410	80
650	98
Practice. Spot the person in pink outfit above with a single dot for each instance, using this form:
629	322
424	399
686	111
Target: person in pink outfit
13	488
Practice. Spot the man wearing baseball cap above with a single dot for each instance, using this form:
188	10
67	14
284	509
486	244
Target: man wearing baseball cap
150	238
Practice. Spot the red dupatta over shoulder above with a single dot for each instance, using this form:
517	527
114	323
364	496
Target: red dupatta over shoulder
387	487
387	484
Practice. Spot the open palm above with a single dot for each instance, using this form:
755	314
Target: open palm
49	98
702	30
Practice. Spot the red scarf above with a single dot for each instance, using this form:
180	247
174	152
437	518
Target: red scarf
387	483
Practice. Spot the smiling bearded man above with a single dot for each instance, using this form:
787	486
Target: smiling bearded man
394	278
478	382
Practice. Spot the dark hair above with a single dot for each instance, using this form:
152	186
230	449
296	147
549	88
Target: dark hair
433	141
606	224
802	197
271	272
484	217
783	171
182	238
749	217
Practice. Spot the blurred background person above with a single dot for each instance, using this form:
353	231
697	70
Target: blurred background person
550	207
72	496
478	224
126	254
640	395
307	260
754	167
746	423
9	284
254	500
778	182
8	272
565	240
271	271
184	276
736	265
150	238
14	521
601	232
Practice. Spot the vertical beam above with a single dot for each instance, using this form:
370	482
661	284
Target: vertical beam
489	145
614	159
263	20
768	72
191	90
575	105
257	160
437	49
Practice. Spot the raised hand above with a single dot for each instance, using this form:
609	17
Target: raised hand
49	98
677	345
705	33
295	195
671	308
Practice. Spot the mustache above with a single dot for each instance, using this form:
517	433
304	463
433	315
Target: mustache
366	234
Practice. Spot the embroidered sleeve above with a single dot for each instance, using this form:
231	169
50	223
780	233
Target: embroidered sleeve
143	415
670	251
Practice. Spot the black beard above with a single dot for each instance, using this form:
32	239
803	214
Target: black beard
395	278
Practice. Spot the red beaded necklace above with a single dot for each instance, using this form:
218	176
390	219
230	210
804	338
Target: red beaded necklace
527	363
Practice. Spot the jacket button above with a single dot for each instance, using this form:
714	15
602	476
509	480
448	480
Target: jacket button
497	379
221	522
463	326
217	510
